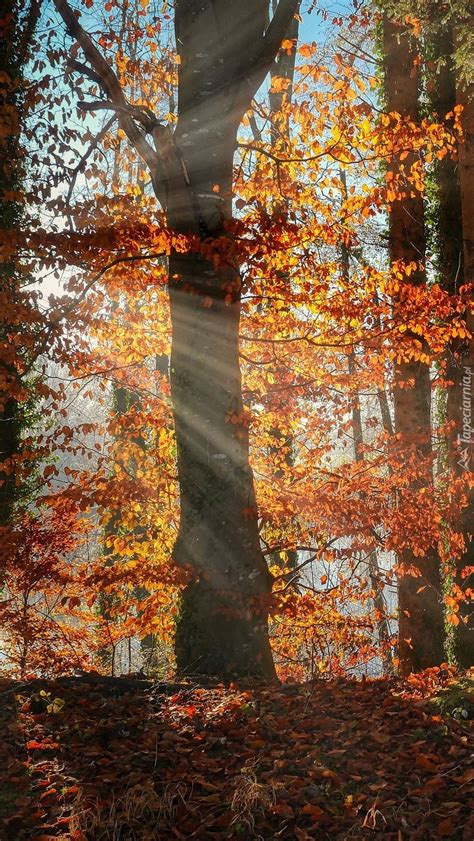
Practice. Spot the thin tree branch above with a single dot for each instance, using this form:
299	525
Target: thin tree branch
80	166
134	111
279	160
82	68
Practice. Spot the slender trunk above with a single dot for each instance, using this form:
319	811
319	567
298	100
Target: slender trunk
373	568
10	103
421	627
385	411
122	400
149	645
17	25
9	447
283	67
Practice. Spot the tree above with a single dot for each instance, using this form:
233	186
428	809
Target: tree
255	247
453	216
420	604
445	34
464	632
16	30
376	582
223	624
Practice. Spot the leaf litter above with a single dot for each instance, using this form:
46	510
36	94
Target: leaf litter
339	759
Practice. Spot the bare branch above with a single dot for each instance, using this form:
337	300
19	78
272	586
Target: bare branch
280	160
79	67
134	111
82	161
109	83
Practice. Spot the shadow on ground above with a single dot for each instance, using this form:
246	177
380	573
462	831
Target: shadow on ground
329	760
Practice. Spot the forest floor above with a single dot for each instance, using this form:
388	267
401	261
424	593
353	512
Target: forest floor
91	759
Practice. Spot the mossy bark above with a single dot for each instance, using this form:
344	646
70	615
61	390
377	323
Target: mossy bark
464	632
455	233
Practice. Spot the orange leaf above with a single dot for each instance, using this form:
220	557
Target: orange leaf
446	828
313	810
306	50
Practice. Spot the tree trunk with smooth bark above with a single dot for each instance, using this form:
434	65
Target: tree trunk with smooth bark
225	52
222	628
421	626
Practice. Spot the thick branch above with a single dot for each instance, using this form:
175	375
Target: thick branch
142	115
270	44
110	84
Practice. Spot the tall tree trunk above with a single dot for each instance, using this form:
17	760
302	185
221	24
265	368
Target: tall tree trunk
421	630
225	50
455	210
451	220
462	394
222	628
283	67
373	568
17	25
9	181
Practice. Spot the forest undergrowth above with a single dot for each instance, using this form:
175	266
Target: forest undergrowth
91	758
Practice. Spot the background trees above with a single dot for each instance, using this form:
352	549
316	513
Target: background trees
17	28
420	605
263	271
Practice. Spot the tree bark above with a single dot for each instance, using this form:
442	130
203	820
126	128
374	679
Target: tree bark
383	629
17	25
9	181
421	627
225	52
462	393
222	628
283	67
9	447
455	210
448	232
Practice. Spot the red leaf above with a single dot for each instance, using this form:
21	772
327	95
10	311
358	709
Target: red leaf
34	745
313	810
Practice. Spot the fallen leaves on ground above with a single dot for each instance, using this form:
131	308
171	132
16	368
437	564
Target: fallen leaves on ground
327	760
